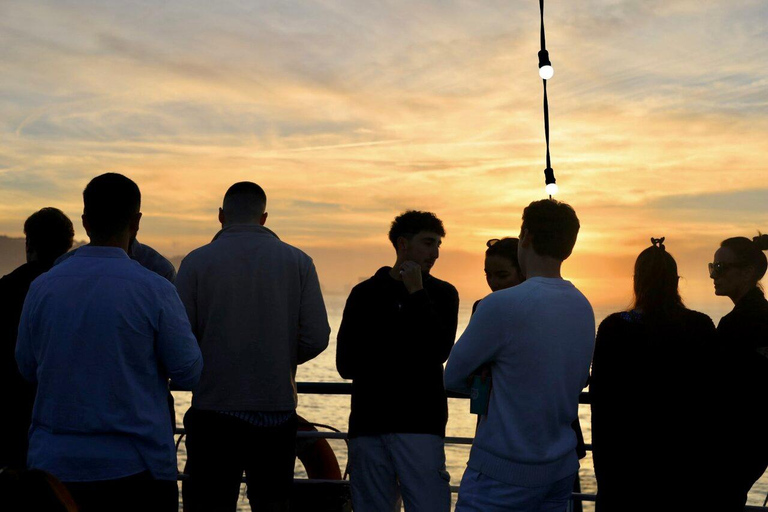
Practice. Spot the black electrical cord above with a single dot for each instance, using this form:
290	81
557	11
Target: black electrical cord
546	122
543	38
549	173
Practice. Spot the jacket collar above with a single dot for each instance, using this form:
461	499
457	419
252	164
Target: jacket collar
98	251
752	297
236	229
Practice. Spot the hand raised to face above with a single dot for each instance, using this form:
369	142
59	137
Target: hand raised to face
410	271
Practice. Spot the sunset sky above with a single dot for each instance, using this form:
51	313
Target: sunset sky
349	112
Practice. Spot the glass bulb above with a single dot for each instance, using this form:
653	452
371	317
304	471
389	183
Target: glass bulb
546	72
551	189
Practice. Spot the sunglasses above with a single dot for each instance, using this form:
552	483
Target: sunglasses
720	268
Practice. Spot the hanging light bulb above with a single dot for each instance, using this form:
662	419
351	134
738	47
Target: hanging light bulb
551	189
546	71
549	179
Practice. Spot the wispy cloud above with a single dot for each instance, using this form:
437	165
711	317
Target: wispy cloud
738	201
349	113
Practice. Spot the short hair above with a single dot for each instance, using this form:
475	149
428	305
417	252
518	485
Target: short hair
49	232
244	201
504	248
656	284
749	252
413	222
110	200
554	226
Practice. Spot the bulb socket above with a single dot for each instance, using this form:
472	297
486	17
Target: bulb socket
544	59
549	176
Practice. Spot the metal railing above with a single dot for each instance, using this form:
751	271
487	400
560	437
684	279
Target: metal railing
345	388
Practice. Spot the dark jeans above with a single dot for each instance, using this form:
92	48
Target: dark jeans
134	493
221	447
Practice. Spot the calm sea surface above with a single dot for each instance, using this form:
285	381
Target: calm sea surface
334	410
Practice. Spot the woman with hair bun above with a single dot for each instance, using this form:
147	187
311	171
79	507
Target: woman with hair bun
501	267
651	370
737	269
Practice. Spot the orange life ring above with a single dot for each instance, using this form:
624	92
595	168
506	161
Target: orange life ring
316	455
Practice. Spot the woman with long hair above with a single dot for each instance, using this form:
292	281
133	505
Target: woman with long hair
738	267
650	374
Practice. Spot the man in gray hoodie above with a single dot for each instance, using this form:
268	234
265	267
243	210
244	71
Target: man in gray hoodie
255	306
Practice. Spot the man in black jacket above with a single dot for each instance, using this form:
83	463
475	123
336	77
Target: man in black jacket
49	234
397	331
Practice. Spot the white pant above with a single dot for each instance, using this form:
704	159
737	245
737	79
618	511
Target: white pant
384	467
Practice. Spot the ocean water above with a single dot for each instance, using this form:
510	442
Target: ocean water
334	410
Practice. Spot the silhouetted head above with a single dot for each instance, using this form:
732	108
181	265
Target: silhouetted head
417	237
552	227
502	269
111	207
656	283
244	203
739	265
49	235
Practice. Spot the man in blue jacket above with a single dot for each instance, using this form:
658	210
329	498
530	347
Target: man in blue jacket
101	335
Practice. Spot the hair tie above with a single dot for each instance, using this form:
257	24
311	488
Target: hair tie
658	242
761	240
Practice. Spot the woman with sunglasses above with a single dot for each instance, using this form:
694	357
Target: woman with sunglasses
743	335
651	370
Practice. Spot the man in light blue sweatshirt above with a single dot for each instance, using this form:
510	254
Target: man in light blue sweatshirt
537	338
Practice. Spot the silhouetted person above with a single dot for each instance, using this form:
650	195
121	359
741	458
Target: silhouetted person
49	234
537	338
100	335
738	267
257	311
397	330
502	269
652	375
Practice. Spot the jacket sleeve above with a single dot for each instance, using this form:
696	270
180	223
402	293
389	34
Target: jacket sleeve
351	333
177	347
186	286
480	344
432	321
314	329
